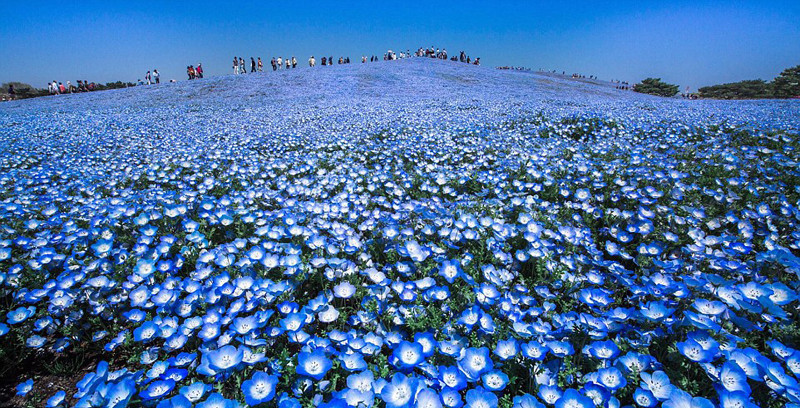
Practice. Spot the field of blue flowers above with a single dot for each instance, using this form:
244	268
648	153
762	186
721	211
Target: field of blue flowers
408	234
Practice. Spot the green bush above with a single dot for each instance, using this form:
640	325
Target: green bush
752	89
655	86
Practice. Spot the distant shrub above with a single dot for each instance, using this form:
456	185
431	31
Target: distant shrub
752	89
787	84
655	86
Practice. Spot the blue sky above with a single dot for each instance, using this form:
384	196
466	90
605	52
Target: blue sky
691	43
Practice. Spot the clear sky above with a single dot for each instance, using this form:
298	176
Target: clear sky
690	43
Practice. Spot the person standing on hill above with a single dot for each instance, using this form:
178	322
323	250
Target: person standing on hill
148	78
274	64
324	61
260	65
280	63
11	91
242	67
330	61
294	62
252	65
157	76
235	66
199	70
312	62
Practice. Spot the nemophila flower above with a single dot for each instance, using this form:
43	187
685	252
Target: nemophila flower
452	378
695	352
406	355
560	348
681	399
480	398
259	388
147	332
475	362
144	268
611	378
644	398
119	394
224	358
25	387
735	399
494	380
157	389
194	392
56	400
603	350
657	383
534	350
313	364
20	314
656	311
428	398
450	270
353	361
451	398
573	399
293	322
178	401
216	400
415	251
733	378
400	392
506	349
344	290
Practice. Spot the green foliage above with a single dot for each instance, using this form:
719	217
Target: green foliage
787	84
752	89
655	86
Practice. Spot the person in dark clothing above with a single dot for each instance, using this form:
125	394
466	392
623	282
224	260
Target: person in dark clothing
274	64
324	61
330	61
252	65
11	91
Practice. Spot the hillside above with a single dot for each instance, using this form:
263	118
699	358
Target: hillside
410	233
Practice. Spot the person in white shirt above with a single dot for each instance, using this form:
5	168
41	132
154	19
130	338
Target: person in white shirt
280	63
156	76
312	61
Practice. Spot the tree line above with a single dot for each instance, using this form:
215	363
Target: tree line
784	86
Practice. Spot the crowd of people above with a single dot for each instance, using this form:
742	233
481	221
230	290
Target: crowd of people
58	88
279	63
621	85
194	73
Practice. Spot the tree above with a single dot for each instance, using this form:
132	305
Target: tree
21	89
752	89
787	84
655	86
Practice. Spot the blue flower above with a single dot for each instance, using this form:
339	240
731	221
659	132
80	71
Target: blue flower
216	400
452	378
194	392
224	358
20	314
406	355
681	399
658	384
611	378
25	387
259	388
400	392
694	351
480	398
313	364
573	399
157	389
428	398
475	362
178	401
56	400
494	380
